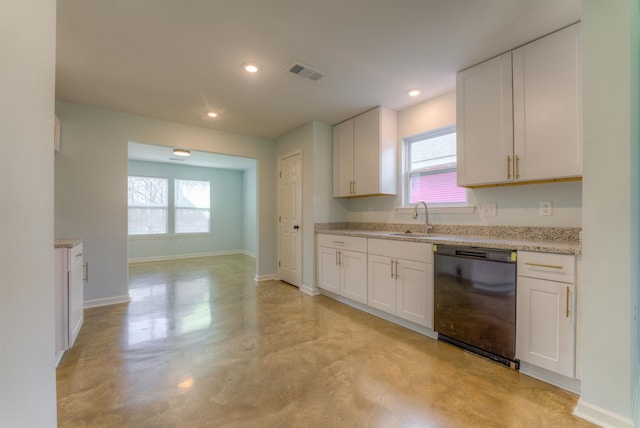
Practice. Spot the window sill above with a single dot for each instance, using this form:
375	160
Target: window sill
453	209
170	236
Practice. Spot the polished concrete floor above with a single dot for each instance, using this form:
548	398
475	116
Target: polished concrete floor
202	345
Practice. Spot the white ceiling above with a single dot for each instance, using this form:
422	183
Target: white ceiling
177	59
151	153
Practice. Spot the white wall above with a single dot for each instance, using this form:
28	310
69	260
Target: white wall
91	180
27	70
249	205
226	213
610	211
516	205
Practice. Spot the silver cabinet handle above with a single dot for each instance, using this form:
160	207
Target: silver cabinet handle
544	266
337	257
567	308
86	271
391	268
396	269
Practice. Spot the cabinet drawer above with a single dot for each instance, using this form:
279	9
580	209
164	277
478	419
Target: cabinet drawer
417	251
351	243
553	267
75	257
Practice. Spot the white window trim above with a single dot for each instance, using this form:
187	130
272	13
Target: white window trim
171	236
446	208
440	209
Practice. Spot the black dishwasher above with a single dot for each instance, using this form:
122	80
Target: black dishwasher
475	300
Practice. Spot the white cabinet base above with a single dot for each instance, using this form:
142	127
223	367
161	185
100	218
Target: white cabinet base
68	297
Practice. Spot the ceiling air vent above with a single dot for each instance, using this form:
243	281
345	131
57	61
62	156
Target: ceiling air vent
305	71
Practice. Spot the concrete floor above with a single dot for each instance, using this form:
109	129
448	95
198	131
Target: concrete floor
201	345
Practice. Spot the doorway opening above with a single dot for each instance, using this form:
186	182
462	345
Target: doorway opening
184	207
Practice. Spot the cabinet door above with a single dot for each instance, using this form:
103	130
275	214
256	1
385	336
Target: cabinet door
353	279
545	325
485	123
366	153
76	301
61	301
381	293
328	269
375	153
415	291
547	107
343	158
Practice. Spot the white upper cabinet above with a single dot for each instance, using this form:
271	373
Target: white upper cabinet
547	112
519	114
485	122
364	155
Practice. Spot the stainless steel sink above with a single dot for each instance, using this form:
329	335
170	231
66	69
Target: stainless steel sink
410	234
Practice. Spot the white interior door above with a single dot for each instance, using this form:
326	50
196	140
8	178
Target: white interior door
290	220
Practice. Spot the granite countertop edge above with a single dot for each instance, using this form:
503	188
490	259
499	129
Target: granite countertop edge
66	242
546	246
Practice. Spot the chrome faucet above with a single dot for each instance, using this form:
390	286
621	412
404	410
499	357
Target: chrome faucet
427	227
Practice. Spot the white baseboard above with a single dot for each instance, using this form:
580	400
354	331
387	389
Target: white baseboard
600	416
106	301
548	376
59	356
268	277
309	289
189	256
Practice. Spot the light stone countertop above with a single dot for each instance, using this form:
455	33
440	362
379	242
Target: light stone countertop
66	243
558	246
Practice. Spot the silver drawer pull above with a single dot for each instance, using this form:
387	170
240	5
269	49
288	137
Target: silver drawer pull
79	255
338	242
544	266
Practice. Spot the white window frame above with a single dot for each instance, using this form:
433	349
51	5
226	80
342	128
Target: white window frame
170	212
448	207
176	207
165	207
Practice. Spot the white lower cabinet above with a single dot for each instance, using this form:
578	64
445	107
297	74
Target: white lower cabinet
546	315
401	279
69	296
342	266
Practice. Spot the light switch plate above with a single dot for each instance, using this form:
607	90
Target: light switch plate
488	210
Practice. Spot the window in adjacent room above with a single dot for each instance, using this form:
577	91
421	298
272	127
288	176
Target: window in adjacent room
192	206
431	168
148	205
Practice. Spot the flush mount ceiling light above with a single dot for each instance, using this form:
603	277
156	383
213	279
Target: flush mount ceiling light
212	114
414	92
181	152
251	67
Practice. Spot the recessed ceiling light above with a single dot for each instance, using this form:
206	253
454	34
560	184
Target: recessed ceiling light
212	114
251	67
181	152
414	92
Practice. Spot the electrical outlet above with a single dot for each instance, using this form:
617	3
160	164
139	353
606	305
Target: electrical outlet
488	210
546	208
